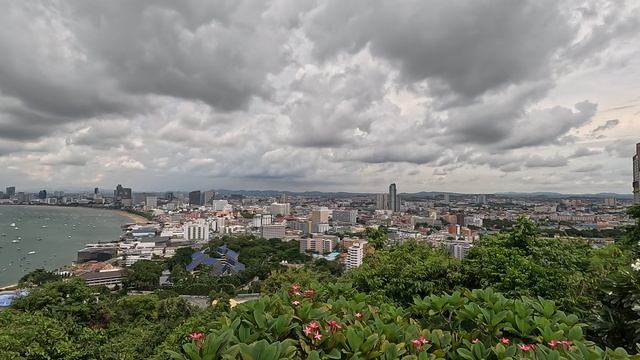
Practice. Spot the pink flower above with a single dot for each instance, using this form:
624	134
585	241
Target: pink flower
308	331
423	339
295	303
359	315
197	336
309	293
314	325
475	341
418	344
317	336
333	326
505	341
525	347
553	344
567	343
295	289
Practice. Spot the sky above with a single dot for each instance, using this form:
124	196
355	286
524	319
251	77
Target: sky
475	96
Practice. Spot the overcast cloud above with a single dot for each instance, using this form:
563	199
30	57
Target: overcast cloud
468	96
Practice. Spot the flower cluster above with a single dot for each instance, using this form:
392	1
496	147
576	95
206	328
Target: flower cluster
555	343
505	341
198	338
527	347
636	266
312	330
420	342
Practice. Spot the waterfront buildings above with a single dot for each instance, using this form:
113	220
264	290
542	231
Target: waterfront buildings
636	175
123	195
10	192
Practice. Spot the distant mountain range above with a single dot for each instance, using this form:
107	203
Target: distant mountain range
421	194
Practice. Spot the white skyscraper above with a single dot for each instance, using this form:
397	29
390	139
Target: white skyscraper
355	254
279	209
196	230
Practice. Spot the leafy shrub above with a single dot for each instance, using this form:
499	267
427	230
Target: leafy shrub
322	324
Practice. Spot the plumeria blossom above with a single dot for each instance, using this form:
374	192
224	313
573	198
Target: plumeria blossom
295	289
475	341
333	326
418	345
359	315
554	344
295	303
420	342
527	347
567	343
312	330
505	341
197	336
636	265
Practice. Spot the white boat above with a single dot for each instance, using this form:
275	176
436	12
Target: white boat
12	224
44	226
15	241
16	228
31	252
69	236
19	238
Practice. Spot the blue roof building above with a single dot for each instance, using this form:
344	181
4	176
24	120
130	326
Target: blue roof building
226	264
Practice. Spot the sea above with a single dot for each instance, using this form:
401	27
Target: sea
48	237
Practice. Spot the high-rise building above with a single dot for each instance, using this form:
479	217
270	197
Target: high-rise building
168	196
280	209
196	230
345	216
382	201
42	194
96	191
220	205
195	198
11	191
355	254
207	197
636	175
394	201
446	198
320	215
273	231
151	202
122	193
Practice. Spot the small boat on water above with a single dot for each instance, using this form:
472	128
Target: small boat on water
31	252
16	228
44	226
69	236
12	224
39	239
15	241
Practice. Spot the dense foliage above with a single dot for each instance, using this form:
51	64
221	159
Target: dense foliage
551	299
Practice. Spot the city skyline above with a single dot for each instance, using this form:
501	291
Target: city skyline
540	96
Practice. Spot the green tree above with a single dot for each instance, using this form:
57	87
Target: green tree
144	275
377	237
405	271
38	277
181	258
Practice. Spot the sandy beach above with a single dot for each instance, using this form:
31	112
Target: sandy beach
133	217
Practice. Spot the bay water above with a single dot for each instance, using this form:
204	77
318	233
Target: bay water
49	237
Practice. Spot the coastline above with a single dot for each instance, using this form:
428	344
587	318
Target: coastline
133	217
